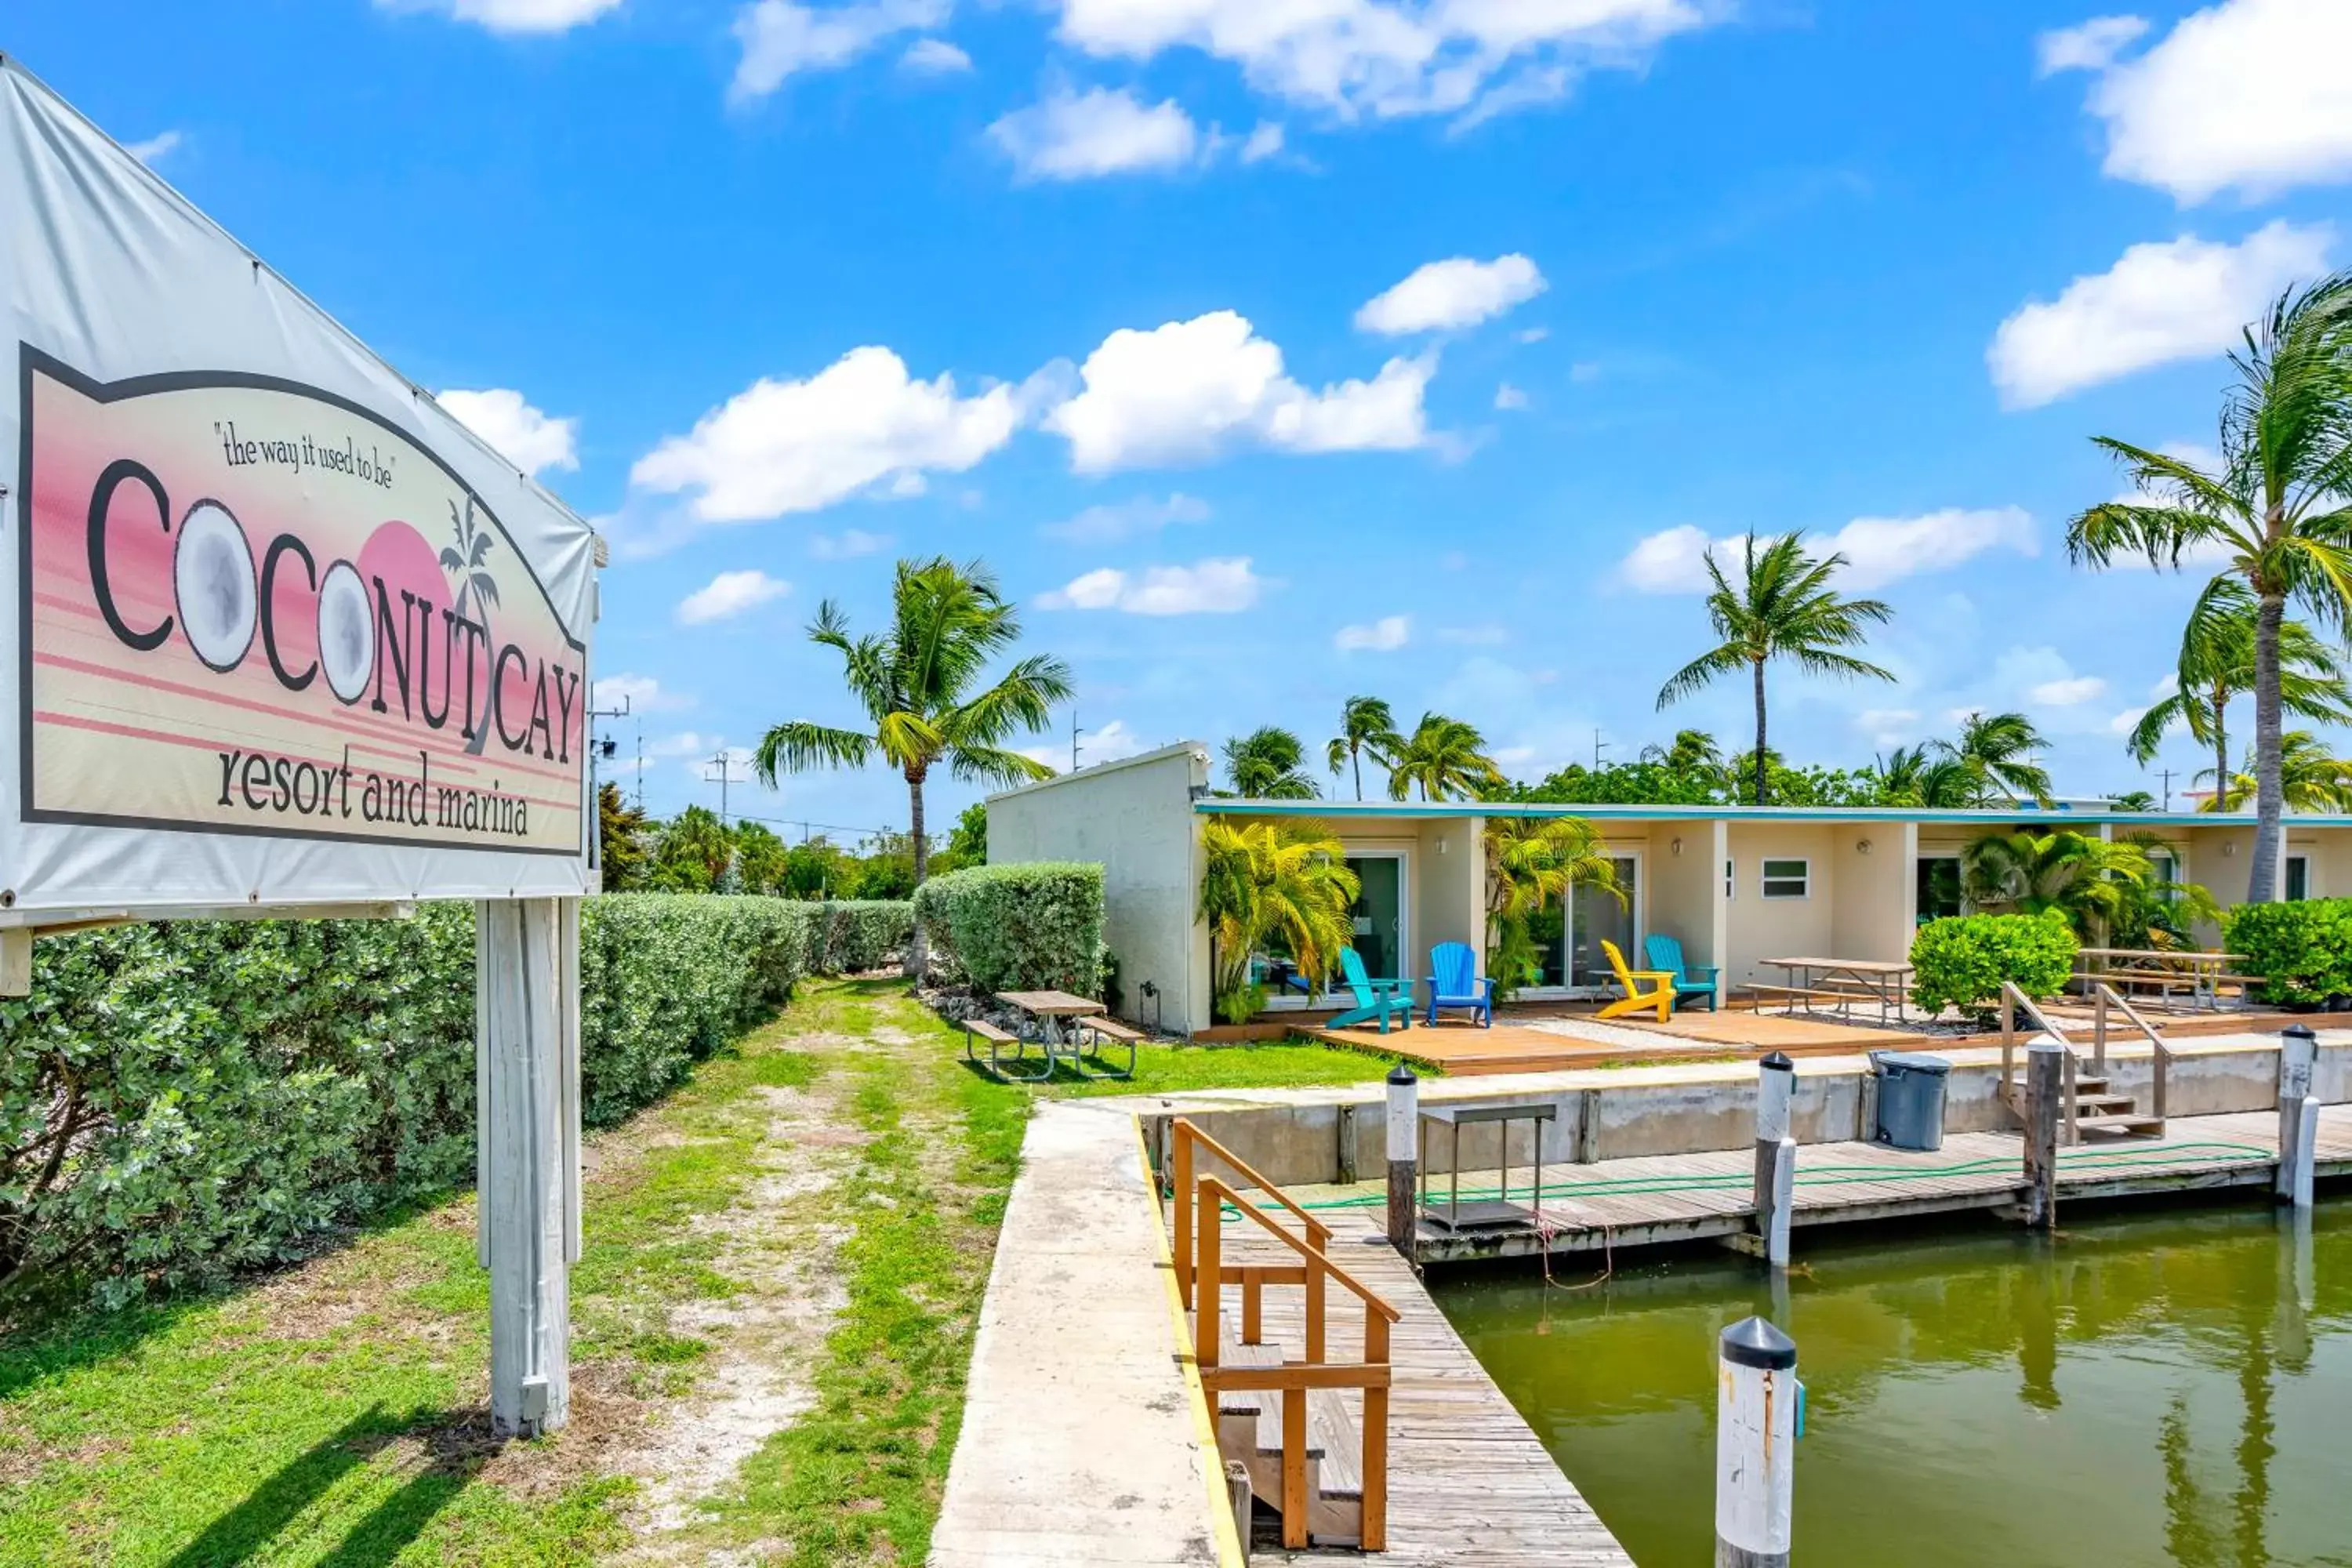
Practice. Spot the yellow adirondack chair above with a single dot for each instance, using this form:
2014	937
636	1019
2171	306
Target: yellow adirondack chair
1644	988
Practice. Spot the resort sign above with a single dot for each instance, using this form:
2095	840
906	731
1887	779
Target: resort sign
278	635
251	606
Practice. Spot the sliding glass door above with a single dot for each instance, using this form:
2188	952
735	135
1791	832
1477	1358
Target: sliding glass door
1594	916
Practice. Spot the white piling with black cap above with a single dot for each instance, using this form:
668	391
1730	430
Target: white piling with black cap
2298	1110
1776	1154
1404	1154
1755	1445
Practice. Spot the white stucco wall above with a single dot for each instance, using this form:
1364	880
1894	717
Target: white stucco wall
1872	891
1764	928
1685	884
1134	819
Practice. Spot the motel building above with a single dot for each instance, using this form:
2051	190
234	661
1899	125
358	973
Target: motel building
1736	885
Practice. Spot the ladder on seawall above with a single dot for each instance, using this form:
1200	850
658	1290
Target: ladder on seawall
2088	1102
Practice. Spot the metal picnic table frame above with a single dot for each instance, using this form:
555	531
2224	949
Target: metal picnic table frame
2201	972
1063	1042
1885	981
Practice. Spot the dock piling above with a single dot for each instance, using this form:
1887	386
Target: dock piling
1755	1445
1776	1154
2298	1110
1404	1151
2045	1073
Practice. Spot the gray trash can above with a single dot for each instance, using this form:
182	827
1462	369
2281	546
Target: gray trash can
1910	1098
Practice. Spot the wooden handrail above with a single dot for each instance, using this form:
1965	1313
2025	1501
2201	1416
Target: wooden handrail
2106	996
2011	999
1182	1136
1318	1261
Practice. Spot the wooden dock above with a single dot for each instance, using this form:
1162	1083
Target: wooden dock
1469	1481
1659	1199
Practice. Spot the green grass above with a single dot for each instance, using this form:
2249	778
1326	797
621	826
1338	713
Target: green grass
333	1414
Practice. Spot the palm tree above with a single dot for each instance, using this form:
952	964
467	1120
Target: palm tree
1531	863
916	683
1268	763
2133	800
2086	879
2310	778
1782	607
1923	776
1445	759
475	584
2217	663
2273	505
1995	757
1366	725
1284	880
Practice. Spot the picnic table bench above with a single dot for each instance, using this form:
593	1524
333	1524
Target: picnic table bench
1792	995
1062	1024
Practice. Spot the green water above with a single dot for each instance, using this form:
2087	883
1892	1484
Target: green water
2157	1388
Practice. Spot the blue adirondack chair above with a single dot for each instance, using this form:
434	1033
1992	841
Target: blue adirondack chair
1455	983
1666	955
1375	999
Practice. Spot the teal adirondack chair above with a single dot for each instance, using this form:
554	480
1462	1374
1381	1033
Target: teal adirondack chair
1666	955
1455	984
1375	999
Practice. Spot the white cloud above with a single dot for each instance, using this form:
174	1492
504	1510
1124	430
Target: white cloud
1386	635
2125	723
513	15
1887	726
1262	142
1381	58
1126	520
155	148
847	545
730	595
1184	392
782	38
1509	398
1086	135
519	433
2090	46
1584	372
1456	292
858	424
2165	686
1878	550
1220	585
643	693
1109	743
685	744
2183	298
934	57
2247	94
2067	691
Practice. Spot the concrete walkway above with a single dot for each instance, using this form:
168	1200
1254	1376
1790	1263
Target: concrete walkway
1084	1439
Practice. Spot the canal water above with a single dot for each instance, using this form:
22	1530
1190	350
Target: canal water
2144	1389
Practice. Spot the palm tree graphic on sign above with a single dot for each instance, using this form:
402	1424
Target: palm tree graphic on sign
476	589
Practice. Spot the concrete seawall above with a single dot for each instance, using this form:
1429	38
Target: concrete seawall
1303	1137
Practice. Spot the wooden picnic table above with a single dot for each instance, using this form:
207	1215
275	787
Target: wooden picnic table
2164	968
1885	981
1051	1008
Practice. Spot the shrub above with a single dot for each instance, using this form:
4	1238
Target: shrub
2304	949
857	934
179	1101
1033	925
1961	962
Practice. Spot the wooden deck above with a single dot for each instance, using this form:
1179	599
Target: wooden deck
1689	1198
1469	1481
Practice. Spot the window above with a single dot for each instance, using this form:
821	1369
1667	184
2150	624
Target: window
2298	877
1788	878
1938	890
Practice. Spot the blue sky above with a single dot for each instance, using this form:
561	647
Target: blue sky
1127	297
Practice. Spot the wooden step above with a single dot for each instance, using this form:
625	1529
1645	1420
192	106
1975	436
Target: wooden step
2098	1103
2138	1126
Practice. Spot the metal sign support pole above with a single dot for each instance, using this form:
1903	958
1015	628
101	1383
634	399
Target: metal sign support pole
526	1097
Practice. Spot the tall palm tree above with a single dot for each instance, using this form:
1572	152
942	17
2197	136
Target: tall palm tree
1286	881
1366	725
916	683
1995	755
2086	879
1268	763
1922	775
1784	606
2309	776
2216	664
2274	506
1444	759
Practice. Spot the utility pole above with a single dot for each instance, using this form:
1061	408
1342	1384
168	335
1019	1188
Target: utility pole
1597	743
2167	787
594	751
1074	739
726	766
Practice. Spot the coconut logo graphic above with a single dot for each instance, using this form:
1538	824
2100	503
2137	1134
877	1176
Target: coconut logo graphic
213	585
346	633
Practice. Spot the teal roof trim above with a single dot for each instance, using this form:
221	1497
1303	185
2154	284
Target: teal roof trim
1340	811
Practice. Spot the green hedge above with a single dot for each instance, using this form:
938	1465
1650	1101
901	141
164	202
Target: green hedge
2303	949
856	934
1961	962
181	1101
1033	925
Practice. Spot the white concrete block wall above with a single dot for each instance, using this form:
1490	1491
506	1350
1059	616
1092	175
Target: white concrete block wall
1134	819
